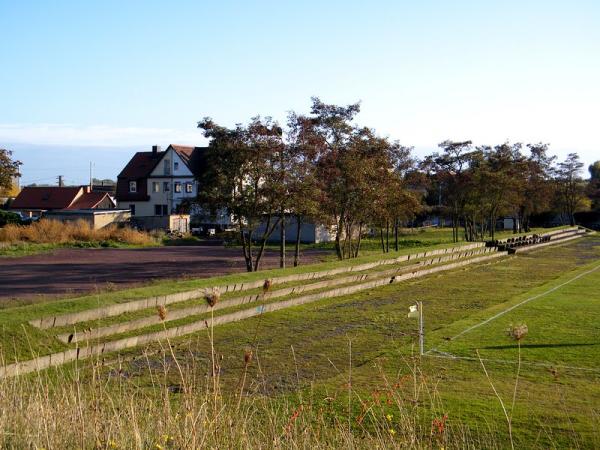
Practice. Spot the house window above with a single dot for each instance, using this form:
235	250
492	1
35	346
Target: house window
175	165
177	187
133	186
132	208
167	167
160	210
166	187
155	186
189	188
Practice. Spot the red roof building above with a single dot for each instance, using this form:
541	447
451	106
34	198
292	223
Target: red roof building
34	201
155	183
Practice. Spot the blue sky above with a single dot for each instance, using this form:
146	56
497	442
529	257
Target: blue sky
97	81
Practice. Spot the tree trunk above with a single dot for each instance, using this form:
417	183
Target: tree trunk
247	246
338	244
268	231
297	249
282	238
396	235
382	243
359	240
387	236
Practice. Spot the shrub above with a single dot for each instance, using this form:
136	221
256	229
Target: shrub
7	217
56	232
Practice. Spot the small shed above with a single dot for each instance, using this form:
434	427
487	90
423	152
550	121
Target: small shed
97	218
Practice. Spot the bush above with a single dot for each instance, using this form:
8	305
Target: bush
55	232
7	217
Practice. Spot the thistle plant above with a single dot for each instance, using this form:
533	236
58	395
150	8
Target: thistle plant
517	332
213	297
267	285
162	312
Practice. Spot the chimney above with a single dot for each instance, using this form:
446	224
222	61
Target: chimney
155	150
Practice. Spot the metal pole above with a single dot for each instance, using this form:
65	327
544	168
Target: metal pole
421	331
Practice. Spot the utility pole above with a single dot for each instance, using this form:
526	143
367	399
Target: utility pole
91	177
60	181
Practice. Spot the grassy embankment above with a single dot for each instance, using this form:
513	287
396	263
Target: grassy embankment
22	341
341	371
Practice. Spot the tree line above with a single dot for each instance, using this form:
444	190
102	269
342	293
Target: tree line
324	167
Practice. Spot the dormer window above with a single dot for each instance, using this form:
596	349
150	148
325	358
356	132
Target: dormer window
175	165
167	167
133	186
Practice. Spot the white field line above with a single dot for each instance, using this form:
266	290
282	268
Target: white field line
501	313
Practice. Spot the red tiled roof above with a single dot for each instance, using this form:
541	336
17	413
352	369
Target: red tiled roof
191	156
89	200
51	197
141	165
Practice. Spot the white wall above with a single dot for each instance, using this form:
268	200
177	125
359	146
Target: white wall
181	175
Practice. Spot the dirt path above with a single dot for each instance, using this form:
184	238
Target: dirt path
70	271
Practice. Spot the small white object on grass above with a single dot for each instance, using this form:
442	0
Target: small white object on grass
413	312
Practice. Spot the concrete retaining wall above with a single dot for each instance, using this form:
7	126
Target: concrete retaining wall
553	241
552	234
60	358
204	308
153	302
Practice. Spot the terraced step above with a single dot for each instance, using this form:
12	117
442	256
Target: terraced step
176	314
64	357
164	300
366	277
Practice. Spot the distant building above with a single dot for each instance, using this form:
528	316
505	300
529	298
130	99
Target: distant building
36	201
310	232
158	184
155	183
97	218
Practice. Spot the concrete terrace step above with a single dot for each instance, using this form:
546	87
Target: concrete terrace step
153	319
355	283
81	353
163	300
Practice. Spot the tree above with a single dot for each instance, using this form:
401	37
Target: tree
304	191
539	188
240	176
594	185
570	185
450	170
340	172
9	171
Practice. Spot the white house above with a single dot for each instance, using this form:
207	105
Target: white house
154	184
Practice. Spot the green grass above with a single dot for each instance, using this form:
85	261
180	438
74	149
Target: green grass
563	327
549	411
306	354
28	248
20	340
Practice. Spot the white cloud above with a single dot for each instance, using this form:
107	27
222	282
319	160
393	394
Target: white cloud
95	135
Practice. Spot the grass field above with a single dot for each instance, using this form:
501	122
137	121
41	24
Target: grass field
344	371
370	333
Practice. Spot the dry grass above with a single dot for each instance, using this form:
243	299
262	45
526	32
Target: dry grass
56	232
183	407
